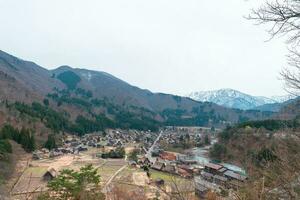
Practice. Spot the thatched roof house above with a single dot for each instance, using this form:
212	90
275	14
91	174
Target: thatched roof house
50	174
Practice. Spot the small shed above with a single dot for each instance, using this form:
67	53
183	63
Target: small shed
50	174
36	156
132	163
187	168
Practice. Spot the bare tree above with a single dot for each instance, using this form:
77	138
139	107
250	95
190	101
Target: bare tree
292	76
284	18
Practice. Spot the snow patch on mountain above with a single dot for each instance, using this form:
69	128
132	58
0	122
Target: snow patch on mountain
235	99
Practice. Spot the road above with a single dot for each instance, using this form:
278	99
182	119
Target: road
149	152
106	187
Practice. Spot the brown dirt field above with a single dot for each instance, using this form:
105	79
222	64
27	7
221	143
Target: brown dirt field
56	163
32	178
109	168
140	178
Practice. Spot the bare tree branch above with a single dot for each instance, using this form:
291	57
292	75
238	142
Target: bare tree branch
284	18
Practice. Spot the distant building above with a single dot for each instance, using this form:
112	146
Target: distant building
220	180
184	173
234	176
142	160
158	166
187	168
212	168
36	156
168	156
200	190
207	176
170	169
132	164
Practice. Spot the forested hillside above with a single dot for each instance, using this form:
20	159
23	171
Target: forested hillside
268	151
81	101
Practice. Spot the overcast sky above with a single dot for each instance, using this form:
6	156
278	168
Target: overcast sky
172	46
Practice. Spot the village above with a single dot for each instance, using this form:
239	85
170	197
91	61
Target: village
152	167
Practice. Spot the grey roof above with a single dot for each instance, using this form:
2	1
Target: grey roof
221	178
213	166
158	165
234	175
51	171
206	174
222	169
170	168
132	162
200	187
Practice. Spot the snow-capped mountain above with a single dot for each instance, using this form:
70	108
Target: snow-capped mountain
235	99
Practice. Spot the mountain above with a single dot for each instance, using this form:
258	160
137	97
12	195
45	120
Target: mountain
235	99
289	109
80	101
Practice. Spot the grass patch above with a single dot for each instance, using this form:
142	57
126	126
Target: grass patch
162	175
35	171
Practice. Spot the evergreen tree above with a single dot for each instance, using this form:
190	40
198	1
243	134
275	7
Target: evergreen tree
50	143
46	102
73	185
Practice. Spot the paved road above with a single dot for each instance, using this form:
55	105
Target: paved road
149	152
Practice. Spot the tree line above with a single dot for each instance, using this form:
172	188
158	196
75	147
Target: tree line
25	137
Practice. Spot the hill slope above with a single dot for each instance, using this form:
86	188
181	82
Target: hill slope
80	100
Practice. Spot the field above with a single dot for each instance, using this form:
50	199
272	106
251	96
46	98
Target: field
116	177
31	180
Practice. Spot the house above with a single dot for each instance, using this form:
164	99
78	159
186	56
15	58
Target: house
168	156
184	173
170	169
82	148
184	159
200	190
44	150
158	166
36	156
155	152
231	175
50	174
222	170
207	176
187	168
212	168
53	154
142	160
220	180
132	164
189	162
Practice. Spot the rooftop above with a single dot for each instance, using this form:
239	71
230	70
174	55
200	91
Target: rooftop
234	175
213	166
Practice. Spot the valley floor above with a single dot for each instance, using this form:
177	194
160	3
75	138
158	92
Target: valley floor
117	177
